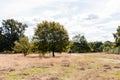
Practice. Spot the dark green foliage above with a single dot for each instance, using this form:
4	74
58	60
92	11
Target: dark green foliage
116	47
10	32
96	46
75	47
117	37
50	36
2	42
79	45
107	46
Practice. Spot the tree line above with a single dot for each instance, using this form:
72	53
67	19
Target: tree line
50	37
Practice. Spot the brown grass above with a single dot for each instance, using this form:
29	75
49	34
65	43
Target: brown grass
90	66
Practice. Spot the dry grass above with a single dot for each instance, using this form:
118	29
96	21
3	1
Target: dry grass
90	66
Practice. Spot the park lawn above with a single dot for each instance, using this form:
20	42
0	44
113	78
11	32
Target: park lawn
87	66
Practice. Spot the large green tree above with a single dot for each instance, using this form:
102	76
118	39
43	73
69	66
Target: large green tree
117	37
51	36
10	32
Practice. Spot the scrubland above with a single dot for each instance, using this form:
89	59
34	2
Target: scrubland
87	66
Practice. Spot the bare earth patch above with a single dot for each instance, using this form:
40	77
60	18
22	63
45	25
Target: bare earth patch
90	66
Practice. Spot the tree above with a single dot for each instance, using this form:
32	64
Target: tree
107	46
11	30
96	46
2	41
80	44
117	37
22	46
50	36
116	45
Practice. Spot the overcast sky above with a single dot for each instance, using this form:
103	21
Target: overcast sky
95	19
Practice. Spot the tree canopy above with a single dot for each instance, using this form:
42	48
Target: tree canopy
117	37
50	36
80	44
22	45
10	31
96	46
107	46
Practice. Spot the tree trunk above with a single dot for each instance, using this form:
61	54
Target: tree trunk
53	54
25	54
53	50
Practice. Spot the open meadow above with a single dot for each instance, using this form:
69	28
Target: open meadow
90	66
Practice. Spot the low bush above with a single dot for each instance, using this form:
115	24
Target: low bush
115	50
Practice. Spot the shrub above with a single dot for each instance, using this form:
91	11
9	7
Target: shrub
115	50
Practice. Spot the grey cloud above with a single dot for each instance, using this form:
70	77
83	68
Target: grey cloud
92	17
113	17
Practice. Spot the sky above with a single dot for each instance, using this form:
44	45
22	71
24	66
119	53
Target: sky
97	20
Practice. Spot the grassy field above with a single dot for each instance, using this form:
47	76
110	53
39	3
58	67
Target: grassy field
90	66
